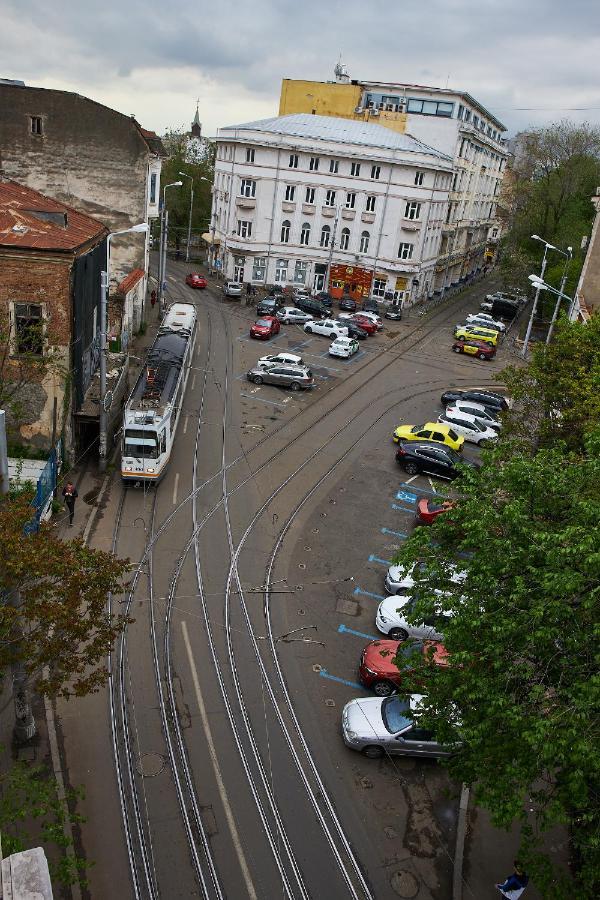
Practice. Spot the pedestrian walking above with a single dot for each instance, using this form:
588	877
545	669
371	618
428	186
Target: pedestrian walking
248	288
70	495
515	884
153	299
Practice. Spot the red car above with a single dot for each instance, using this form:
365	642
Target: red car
265	327
195	280
429	510
366	324
480	349
378	670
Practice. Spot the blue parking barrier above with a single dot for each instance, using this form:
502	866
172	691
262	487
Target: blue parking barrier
343	629
359	592
377	559
398	534
354	684
406	496
403	508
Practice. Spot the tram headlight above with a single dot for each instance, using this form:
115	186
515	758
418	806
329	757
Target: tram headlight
150	470
128	468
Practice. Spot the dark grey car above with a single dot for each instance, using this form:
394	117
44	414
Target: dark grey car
295	377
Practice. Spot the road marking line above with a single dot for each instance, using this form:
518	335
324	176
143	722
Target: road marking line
410	480
421	490
185	424
216	768
193	381
343	629
360	591
402	508
272	402
377	559
323	673
175	486
399	534
406	496
432	487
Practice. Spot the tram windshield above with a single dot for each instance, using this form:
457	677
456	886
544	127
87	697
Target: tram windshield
141	444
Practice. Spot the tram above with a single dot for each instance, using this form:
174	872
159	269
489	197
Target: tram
153	408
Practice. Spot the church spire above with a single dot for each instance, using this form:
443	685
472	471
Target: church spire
196	125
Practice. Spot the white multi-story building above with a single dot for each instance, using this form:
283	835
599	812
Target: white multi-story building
319	201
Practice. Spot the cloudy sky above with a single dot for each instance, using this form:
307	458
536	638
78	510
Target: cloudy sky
530	62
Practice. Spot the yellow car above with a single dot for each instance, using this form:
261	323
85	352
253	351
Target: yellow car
430	431
477	332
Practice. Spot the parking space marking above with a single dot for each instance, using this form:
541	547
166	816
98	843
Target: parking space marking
359	592
343	629
399	534
272	402
406	496
402	508
410	480
377	559
421	490
354	684
432	487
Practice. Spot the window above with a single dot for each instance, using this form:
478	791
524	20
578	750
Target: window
293	163
259	268
345	239
28	329
419	176
330	198
244	229
325	235
461	112
36	124
290	192
248	188
285	231
379	285
333	166
476	121
300	271
405	251
412	210
431	107
249	154
467	115
375	172
281	267
314	164
310	195
350	200
355	169
370	207
364	242
305	234
153	188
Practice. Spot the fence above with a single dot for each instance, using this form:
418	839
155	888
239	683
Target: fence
45	487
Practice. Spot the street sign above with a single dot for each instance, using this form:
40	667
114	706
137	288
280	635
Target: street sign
218	263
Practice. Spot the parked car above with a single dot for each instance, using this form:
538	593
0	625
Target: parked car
468	332
471	429
347	304
475	348
280	359
391	619
232	289
504	308
394	313
386	665
377	727
430	431
486	321
269	306
431	459
316	309
328	327
370	305
372	316
354	330
399	579
300	294
295	377
428	509
482	414
343	347
195	280
361	322
489	399
265	327
294	315
325	298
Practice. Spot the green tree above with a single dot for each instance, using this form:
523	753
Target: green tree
197	160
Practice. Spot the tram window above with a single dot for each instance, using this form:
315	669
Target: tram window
163	442
141	444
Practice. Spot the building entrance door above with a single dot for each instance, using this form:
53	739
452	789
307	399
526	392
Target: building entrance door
238	273
318	283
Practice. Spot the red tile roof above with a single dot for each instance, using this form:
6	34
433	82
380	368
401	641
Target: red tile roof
130	281
29	220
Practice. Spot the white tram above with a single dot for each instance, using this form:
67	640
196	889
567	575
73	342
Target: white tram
153	408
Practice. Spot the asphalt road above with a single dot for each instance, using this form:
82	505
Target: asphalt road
279	512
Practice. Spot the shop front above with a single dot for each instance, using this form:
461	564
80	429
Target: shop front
350	281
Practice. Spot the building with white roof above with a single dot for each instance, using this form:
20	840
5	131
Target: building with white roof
315	201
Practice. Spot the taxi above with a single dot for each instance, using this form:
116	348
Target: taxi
435	432
478	333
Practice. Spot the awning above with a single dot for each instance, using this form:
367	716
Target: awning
209	238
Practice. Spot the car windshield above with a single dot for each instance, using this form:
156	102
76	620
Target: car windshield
264	323
141	444
394	714
416	429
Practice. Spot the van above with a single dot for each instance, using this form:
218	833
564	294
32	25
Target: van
504	308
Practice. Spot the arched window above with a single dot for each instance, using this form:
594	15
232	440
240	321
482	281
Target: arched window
325	235
345	239
305	234
285	231
364	242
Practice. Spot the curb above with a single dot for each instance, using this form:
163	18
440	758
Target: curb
461	830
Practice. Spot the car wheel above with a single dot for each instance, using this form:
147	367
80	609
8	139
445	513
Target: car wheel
457	350
484	443
482	356
411	468
398	634
294	386
308	329
257	379
373	752
333	335
383	688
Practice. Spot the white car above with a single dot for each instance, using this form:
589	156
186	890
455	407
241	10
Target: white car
486	305
399	579
344	347
471	429
486	321
391	620
328	327
380	727
293	314
479	412
232	289
280	359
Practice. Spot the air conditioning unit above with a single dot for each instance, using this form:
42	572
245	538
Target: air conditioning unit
389	107
359	110
374	112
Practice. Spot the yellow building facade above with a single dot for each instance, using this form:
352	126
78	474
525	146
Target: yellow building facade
332	98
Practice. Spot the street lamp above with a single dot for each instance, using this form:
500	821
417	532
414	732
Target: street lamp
104	406
540	285
563	281
187	246
547	246
162	255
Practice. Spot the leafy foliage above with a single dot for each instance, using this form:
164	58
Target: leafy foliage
57	616
200	166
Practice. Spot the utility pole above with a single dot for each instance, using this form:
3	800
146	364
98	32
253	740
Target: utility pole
102	336
328	271
561	289
4	483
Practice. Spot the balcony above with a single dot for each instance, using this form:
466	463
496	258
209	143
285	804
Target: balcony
309	209
245	202
288	206
348	213
410	224
328	212
368	217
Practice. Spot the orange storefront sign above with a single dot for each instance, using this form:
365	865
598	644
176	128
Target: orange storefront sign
349	281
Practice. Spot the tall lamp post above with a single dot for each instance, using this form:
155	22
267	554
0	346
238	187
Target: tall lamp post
331	246
104	405
162	256
561	289
547	247
540	285
189	234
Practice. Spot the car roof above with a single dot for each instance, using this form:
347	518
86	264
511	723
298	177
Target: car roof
463	415
473	403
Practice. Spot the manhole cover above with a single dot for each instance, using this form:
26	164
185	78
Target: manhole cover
330	703
404	884
151	764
